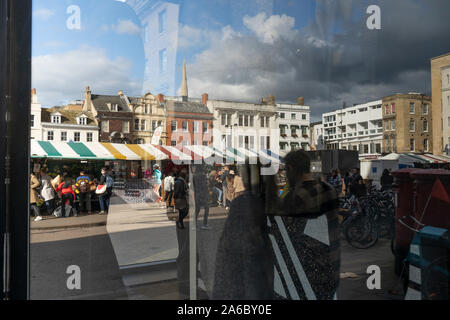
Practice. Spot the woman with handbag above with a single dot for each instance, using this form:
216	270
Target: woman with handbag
180	195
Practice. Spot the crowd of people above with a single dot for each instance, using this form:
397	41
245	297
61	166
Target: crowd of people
62	191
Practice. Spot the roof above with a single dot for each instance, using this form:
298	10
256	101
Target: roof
187	107
67	116
100	102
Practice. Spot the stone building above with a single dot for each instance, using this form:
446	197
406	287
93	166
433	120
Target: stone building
112	114
407	123
148	114
293	121
316	136
440	93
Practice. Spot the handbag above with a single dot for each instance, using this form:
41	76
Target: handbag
101	189
181	203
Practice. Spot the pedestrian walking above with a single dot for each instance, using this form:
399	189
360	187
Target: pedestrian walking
386	180
47	191
157	180
229	189
83	190
223	178
181	198
169	184
105	198
201	194
34	196
218	187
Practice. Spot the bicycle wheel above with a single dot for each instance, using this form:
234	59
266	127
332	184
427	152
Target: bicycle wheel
360	232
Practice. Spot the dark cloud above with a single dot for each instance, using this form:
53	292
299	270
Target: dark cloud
336	58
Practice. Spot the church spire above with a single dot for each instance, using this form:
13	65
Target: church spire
184	87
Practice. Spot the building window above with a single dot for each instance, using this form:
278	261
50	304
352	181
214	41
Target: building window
412	125
262	122
32	120
82	120
411	144
159	123
241	120
246	120
76	136
387	109
56	119
63	136
153	125
378	148
146	108
425	109
114	107
412	108
89	137
162	21
105	125
173	125
303	116
50	135
425	126
393	125
393	108
387	128
143	125
163	61
184	126
282	116
195	126
252	123
205	127
136	124
224	116
425	145
228	119
293	116
173	143
126	127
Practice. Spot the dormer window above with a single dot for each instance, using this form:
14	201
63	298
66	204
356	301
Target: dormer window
56	118
82	120
114	107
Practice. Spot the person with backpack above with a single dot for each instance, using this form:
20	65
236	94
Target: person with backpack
105	197
66	194
169	183
83	190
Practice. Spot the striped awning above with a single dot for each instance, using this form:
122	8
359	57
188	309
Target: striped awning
116	151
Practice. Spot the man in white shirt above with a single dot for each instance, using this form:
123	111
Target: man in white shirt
169	183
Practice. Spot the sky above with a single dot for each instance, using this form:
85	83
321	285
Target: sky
244	50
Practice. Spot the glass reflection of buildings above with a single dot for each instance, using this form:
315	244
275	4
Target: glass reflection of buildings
159	20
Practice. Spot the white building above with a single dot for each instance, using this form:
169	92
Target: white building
316	136
245	125
358	128
446	108
293	121
62	124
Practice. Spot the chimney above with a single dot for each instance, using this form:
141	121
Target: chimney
205	98
160	97
301	101
87	99
33	96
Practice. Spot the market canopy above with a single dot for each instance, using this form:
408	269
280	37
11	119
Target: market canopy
116	151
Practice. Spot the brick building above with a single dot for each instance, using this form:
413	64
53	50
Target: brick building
188	122
112	114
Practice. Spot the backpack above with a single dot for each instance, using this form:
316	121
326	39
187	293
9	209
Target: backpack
84	187
109	182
